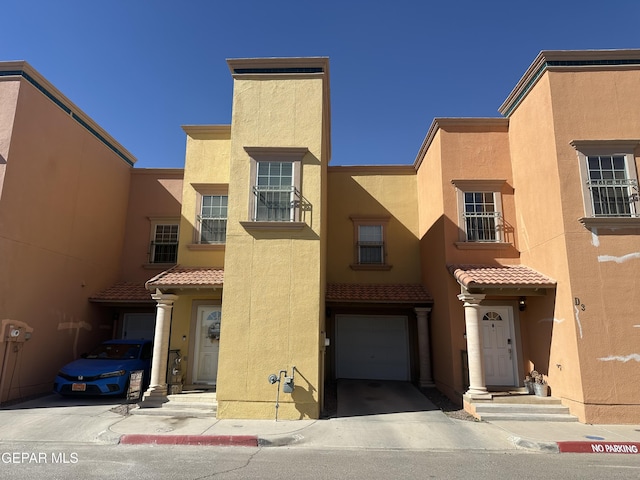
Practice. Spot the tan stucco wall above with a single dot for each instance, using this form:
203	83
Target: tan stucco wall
62	221
460	149
206	164
373	192
273	298
592	364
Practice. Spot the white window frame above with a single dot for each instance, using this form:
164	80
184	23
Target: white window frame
493	187
611	148
262	155
220	218
162	222
359	243
203	190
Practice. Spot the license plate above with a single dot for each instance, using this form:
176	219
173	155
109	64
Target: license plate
78	387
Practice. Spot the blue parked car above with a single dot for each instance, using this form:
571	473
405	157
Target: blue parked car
106	370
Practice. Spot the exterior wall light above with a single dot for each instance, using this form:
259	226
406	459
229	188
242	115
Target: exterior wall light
522	304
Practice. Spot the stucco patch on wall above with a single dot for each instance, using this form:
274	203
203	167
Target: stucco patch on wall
554	320
595	240
620	358
622	259
578	320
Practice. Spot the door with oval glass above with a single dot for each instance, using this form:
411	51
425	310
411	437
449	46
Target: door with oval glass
499	346
207	345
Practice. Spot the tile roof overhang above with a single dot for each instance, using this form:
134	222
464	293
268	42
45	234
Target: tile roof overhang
504	278
411	294
123	293
180	277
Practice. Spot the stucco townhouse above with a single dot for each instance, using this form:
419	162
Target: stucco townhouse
510	244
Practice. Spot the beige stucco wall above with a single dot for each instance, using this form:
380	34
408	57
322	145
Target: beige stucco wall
380	192
273	298
62	221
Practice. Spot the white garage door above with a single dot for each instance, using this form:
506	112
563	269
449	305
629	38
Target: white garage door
372	347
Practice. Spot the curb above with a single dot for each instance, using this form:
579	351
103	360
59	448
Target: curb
628	448
546	447
211	440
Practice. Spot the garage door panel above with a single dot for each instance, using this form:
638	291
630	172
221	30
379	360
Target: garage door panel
372	347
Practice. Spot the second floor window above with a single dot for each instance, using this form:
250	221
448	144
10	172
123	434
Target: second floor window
370	245
274	192
164	245
213	219
613	193
481	217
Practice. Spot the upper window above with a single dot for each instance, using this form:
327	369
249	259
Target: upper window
480	210
481	217
213	219
612	191
610	182
274	192
164	243
370	246
276	196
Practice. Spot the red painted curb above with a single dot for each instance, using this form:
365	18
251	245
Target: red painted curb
629	448
216	440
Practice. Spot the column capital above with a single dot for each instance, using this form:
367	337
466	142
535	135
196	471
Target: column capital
164	298
471	299
422	310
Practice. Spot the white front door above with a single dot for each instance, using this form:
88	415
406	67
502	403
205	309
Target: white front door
207	345
498	345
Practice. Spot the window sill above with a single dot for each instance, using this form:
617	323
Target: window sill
205	246
370	267
610	222
482	245
279	226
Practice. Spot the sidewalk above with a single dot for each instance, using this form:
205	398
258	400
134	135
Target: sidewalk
50	419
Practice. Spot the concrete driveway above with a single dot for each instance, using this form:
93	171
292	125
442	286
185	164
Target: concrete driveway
53	418
379	397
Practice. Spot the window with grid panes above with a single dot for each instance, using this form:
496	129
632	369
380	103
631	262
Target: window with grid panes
164	246
481	217
213	218
370	245
274	191
611	189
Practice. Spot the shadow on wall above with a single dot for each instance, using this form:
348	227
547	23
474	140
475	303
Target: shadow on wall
303	398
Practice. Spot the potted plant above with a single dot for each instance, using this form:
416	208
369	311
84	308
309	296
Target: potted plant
540	386
528	383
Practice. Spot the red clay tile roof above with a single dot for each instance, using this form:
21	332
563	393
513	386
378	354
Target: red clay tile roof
377	293
511	276
188	277
123	292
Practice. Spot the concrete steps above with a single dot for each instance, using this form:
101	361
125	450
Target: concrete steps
523	408
189	404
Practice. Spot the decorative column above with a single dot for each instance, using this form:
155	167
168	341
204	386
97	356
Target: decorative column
474	343
424	343
156	394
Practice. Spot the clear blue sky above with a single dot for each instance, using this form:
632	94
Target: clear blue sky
141	69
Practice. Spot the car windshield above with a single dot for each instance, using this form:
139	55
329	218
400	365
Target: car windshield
115	351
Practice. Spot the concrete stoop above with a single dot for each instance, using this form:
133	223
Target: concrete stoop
521	408
188	404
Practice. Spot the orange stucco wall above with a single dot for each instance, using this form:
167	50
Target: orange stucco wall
62	219
154	195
